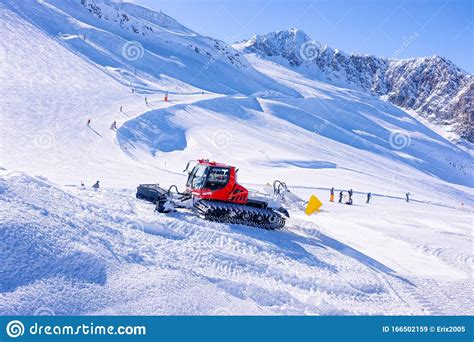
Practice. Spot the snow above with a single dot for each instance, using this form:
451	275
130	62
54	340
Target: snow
84	251
432	86
76	250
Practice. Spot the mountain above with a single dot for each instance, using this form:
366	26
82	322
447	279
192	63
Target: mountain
66	248
143	48
433	87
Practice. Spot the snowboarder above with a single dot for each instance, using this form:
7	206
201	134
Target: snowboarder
82	183
114	125
341	193
88	122
331	196
96	185
408	196
368	197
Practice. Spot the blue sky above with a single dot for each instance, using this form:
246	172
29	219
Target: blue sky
393	28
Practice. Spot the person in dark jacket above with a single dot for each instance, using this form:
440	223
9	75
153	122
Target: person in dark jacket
340	196
368	197
349	201
96	185
408	196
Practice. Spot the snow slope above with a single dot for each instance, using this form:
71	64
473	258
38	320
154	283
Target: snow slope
89	252
142	47
71	250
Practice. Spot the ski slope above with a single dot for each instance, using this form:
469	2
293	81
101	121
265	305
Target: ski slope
69	249
105	252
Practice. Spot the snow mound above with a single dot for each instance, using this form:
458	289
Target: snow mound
40	242
155	130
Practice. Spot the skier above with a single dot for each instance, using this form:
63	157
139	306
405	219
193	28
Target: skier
121	110
340	196
331	197
114	125
166	97
368	197
408	196
96	185
146	101
88	122
82	183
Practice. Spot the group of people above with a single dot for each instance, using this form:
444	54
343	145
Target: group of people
95	186
349	199
341	196
112	127
114	124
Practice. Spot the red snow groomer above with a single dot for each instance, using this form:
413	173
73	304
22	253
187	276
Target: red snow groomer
212	192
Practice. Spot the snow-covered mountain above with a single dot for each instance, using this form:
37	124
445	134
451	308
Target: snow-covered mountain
432	86
71	249
143	48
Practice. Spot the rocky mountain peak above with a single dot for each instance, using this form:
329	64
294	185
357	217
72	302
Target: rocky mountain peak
432	86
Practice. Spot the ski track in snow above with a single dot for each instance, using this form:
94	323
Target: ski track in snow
111	248
74	250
